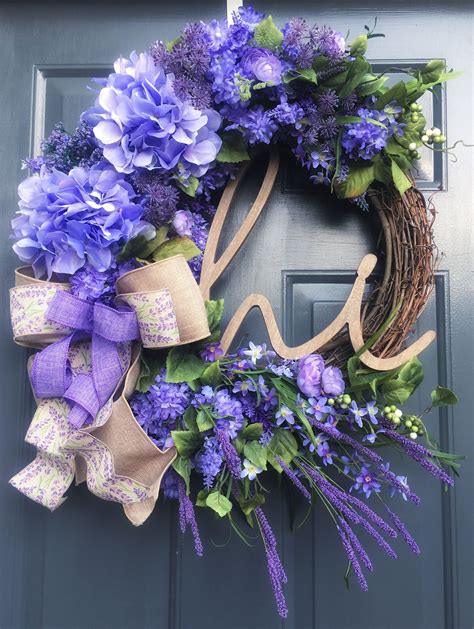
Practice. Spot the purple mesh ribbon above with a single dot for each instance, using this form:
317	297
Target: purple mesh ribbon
51	373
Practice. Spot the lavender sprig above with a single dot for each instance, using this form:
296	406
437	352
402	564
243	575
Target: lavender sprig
294	479
188	517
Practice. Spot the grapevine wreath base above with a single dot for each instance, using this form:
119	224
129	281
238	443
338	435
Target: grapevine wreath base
137	391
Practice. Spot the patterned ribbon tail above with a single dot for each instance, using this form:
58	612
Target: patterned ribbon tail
83	425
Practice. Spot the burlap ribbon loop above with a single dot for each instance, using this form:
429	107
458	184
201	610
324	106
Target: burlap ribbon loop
112	453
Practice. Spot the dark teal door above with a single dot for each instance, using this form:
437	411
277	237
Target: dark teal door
85	566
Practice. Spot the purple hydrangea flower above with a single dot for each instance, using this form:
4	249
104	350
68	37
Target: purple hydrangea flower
332	381
364	139
140	122
67	221
262	64
310	371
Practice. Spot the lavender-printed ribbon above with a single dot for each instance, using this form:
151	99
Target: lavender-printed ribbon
51	374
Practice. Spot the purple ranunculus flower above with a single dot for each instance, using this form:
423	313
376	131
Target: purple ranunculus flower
310	371
140	122
262	64
183	222
332	381
68	220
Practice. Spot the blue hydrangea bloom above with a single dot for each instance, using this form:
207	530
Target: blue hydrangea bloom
364	139
68	220
140	122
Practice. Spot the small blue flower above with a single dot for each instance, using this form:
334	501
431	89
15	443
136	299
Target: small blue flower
244	387
284	415
318	407
357	413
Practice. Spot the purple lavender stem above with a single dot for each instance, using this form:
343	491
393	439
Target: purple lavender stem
187	516
231	455
354	561
413	546
294	479
275	568
356	544
337	435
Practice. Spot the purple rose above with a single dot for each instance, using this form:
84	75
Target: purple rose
262	64
332	381
310	371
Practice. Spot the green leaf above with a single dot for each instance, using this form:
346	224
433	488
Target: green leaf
180	245
357	71
284	446
201	498
214	311
187	443
256	453
432	72
307	74
397	92
189	419
233	150
267	35
443	396
189	186
371	86
183	468
212	375
252	431
152	362
219	503
382	170
351	119
203	421
248	505
359	45
181	366
401	181
154	243
359	179
407	380
132	249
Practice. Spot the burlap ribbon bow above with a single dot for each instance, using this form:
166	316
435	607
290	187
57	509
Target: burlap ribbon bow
83	425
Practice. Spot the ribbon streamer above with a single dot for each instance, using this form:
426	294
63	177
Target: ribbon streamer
87	372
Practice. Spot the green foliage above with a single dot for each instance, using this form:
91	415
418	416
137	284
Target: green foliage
204	421
371	85
151	363
284	446
233	150
132	249
189	419
186	442
219	503
180	245
256	453
212	375
252	431
189	186
359	45
401	181
183	468
214	311
397	92
359	179
307	74
181	366
432	72
267	35
443	396
250	504
398	389
355	76
201	498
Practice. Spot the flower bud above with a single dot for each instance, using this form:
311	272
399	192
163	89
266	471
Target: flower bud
436	131
424	138
413	435
412	146
359	45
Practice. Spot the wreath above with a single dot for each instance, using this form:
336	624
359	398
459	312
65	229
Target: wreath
118	226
